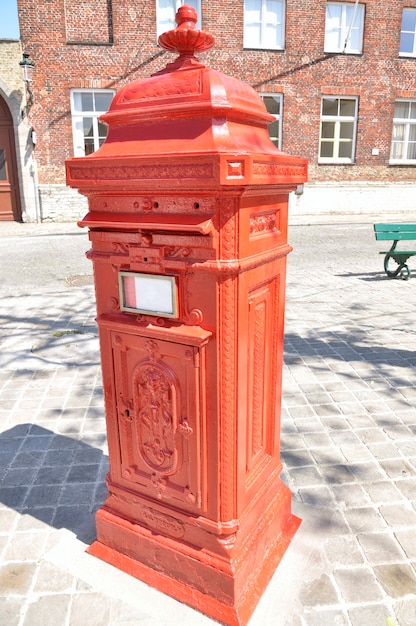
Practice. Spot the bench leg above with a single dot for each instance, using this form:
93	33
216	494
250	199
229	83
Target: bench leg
402	268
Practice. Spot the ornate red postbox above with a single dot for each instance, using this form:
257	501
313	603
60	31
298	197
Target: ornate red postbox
188	223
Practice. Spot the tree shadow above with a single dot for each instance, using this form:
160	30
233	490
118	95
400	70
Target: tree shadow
37	337
52	477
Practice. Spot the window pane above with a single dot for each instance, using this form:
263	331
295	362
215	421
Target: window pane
87	102
413	110
406	43
102	101
252	36
344	27
399	132
88	132
411	151
354	40
396	150
409	20
346	130
252	11
89	146
327	149
345	150
401	110
87	126
272	104
271	36
328	130
274	131
3	173
329	106
166	13
264	24
102	131
347	108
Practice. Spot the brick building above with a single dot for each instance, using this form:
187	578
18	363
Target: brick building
340	78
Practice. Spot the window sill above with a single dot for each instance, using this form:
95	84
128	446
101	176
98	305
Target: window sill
335	162
403	162
89	43
348	53
258	49
406	55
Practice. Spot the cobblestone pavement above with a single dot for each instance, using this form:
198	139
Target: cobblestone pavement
348	441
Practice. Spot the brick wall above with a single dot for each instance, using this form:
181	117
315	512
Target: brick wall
123	48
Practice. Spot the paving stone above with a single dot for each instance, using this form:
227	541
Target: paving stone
297	458
406	611
319	592
317	496
365	519
16	578
407	540
343	550
337	474
383	491
398	468
398	580
398	514
350	496
93	609
356	454
381	547
358	584
51	579
324	618
26	546
370	615
407	486
10	611
48	609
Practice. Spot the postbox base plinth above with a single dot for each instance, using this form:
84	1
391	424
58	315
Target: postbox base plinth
228	591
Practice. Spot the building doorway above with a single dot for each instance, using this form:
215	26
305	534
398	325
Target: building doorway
10	208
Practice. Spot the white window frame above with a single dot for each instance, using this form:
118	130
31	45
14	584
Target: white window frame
404	32
264	24
166	11
278	117
337	139
77	119
408	125
344	27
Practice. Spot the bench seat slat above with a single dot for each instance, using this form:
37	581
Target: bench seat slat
395	236
395	227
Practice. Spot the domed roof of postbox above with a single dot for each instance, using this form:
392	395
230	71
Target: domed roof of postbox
186	107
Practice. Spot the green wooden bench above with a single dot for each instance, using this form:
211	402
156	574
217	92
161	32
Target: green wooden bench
396	233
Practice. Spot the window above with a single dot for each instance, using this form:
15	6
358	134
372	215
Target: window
166	11
273	103
338	130
344	27
403	144
264	24
408	33
86	107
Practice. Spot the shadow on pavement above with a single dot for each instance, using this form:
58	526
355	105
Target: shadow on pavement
54	478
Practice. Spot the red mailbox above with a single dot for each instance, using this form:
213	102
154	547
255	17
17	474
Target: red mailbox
188	203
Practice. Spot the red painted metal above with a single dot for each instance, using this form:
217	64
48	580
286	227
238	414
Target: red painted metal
189	185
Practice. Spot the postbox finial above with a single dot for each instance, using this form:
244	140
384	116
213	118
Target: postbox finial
186	38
